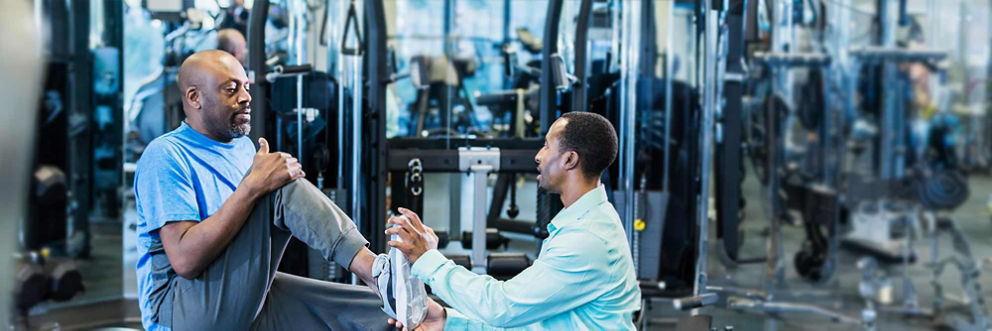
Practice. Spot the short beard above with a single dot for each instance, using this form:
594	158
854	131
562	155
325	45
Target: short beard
237	129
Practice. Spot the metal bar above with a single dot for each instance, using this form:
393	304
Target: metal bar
296	26
549	97
356	143
502	143
506	24
779	307
880	53
668	93
356	130
581	56
697	301
628	106
377	71
257	67
339	69
728	154
709	107
446	160
888	158
479	176
649	41
793	59
780	78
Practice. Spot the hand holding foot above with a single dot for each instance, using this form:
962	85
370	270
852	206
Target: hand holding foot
417	238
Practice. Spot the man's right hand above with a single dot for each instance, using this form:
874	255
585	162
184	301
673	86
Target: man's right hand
436	317
271	171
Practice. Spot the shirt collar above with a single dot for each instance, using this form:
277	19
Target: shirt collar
593	198
198	137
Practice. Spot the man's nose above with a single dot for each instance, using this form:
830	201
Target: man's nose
244	97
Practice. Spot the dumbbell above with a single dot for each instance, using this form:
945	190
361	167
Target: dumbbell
38	280
504	266
442	238
462	260
66	281
493	239
31	285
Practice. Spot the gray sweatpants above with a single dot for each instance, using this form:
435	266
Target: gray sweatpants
242	289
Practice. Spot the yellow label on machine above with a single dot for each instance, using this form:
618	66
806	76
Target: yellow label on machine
639	224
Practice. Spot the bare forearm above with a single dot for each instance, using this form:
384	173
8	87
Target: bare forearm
199	244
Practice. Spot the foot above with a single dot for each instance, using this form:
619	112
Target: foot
381	274
404	297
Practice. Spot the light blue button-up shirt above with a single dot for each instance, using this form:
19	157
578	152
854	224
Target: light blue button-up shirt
583	278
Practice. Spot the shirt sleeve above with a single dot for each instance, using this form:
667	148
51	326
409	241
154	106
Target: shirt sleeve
570	273
163	189
457	321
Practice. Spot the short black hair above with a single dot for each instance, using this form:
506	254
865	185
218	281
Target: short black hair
592	137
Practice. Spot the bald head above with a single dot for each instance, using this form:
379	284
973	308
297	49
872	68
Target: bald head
215	95
206	66
232	41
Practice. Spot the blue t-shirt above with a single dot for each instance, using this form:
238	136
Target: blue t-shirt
182	176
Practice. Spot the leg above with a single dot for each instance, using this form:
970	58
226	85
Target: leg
310	216
297	303
227	295
230	293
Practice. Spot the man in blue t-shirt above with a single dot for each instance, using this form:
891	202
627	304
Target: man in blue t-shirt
215	215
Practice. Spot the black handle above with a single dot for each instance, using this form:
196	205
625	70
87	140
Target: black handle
297	69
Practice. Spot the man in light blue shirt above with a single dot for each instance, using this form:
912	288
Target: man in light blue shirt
584	276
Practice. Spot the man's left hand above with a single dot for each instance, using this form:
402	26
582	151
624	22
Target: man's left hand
417	237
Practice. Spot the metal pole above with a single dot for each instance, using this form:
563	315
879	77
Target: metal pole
891	156
628	104
549	97
355	83
668	92
581	52
339	65
479	176
709	106
296	26
781	37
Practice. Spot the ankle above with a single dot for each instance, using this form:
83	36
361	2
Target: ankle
361	265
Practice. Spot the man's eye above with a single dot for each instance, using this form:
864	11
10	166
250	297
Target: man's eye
231	90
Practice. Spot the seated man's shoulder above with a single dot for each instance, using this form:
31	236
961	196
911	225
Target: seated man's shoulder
163	148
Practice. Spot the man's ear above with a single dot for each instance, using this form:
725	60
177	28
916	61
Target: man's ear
193	97
571	160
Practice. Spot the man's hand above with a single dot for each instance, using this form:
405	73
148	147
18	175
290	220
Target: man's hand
271	171
434	321
417	237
